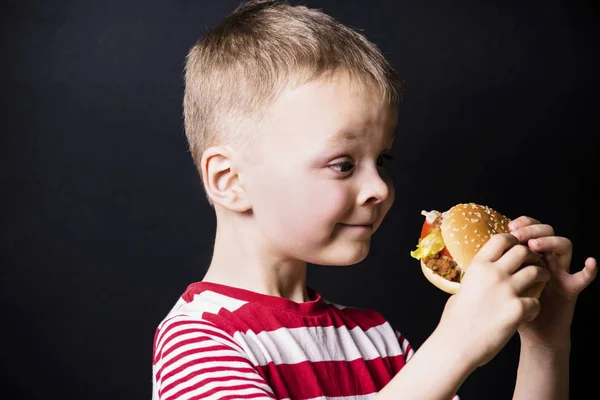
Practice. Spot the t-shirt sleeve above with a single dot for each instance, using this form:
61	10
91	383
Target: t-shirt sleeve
408	352
407	349
193	359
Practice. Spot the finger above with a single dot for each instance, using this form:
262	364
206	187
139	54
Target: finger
521	222
557	251
533	231
531	308
580	280
517	256
526	277
496	246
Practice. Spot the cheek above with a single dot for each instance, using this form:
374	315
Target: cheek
314	203
300	205
331	202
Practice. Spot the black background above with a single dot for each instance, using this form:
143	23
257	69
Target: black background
104	221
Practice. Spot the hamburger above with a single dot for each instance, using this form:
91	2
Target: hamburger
449	240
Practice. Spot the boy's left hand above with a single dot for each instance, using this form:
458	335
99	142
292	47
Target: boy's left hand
550	330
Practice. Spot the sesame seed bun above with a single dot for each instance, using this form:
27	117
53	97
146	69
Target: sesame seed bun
465	228
468	226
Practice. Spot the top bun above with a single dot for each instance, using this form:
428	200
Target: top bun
466	227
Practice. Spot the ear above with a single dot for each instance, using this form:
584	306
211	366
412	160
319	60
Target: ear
221	179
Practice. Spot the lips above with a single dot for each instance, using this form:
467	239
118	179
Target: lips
363	226
368	222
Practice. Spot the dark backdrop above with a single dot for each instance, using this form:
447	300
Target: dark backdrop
104	221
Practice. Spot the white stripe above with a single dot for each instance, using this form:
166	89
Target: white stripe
167	330
194	324
199	357
216	374
213	341
210	302
338	306
212	364
292	346
224	393
212	385
359	397
407	354
173	311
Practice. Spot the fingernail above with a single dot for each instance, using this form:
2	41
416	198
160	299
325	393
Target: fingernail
535	242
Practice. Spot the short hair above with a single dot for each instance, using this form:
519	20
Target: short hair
239	68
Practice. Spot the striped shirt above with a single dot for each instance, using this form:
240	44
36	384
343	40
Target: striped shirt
220	342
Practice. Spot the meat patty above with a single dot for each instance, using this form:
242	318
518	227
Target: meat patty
443	266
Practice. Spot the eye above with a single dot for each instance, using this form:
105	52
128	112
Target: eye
382	159
343	167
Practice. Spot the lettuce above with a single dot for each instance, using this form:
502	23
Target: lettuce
430	244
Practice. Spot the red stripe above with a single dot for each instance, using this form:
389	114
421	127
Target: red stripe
212	391
246	396
401	340
193	322
208	370
192	340
167	325
205	381
252	316
211	335
163	353
331	378
190	352
196	361
154	342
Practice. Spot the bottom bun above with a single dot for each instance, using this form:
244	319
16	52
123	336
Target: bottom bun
438	281
452	287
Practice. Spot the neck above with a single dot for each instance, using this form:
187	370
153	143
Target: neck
242	258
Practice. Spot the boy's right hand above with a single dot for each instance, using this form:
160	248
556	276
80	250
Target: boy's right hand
481	318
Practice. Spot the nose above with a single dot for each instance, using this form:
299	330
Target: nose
375	189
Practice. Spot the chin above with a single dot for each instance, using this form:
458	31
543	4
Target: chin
345	255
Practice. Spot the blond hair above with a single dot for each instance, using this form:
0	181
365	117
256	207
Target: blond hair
239	68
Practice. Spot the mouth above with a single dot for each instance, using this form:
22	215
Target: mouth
359	226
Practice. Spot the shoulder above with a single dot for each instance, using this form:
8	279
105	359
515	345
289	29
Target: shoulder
183	333
194	321
362	316
193	355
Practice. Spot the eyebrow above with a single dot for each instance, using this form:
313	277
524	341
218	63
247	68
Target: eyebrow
347	136
341	137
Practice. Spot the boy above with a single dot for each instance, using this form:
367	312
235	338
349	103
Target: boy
289	117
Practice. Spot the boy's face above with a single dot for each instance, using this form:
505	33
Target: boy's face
317	182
